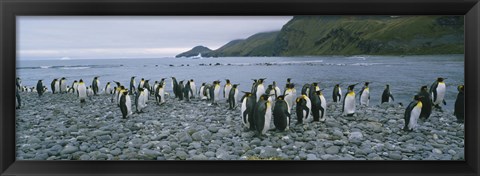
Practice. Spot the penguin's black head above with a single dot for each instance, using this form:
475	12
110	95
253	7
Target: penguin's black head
81	80
63	78
203	84
96	77
274	83
261	80
337	85
292	85
126	92
281	97
133	77
366	83
75	81
270	86
350	87
235	85
461	88
264	97
417	97
315	84
254	81
289	79
228	81
425	88
440	79
247	94
143	79
140	89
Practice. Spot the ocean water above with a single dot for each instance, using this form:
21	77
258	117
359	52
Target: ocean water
405	74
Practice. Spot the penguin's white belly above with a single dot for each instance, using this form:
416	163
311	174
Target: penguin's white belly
440	93
128	102
57	86
414	117
142	101
227	91
193	88
63	88
349	104
82	92
268	118
161	92
260	91
217	93
340	92
289	99
202	96
324	106
272	95
364	98
309	106
146	94
277	90
243	109
235	96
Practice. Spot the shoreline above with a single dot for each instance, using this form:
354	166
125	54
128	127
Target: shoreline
54	127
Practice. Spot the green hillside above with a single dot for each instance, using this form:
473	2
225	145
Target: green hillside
354	35
195	51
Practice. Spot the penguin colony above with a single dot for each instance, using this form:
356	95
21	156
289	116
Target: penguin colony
259	106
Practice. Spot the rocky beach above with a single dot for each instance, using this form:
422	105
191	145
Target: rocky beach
55	127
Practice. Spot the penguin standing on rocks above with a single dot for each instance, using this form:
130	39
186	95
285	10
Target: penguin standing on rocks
40	88
180	88
125	104
306	89
387	95
18	100
141	84
365	95
95	85
426	100
304	108
248	104
63	85
318	107
55	85
193	88
175	87
187	91
438	90
140	100
18	84
146	88
160	94
349	101
232	97
116	92
75	86
281	114
226	89
108	88
216	92
132	85
337	93
260	89
289	96
277	89
254	86
82	92
412	113
262	115
271	91
459	111
201	92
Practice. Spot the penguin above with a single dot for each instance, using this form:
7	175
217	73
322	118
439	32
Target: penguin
95	85
288	83
120	92
70	89
90	92
180	88
337	93
365	94
459	111
193	88
82	92
387	95
281	114
232	96
318	107
426	99
140	100
116	92
146	89
260	89
216	92
55	85
438	90
174	87
349	101
45	89
254	86
277	89
125	104
154	90
246	111
40	88
108	88
306	89
141	84
323	101
18	100
313	88
201	92
304	108
412	113
75	86
132	85
209	92
289	96
262	115
226	89
271	91
187	91
18	84
160	94
63	85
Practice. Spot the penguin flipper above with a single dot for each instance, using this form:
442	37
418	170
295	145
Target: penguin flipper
322	111
391	96
444	102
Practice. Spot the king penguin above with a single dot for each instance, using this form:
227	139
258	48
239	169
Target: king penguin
18	84
187	91
18	100
180	88
426	100
63	85
40	88
175	87
303	109
271	91
216	92
95	85
108	88
289	96
82	92
412	113
226	89
193	88
277	89
459	111
160	94
337	93
75	86
132	85
260	89
125	104
387	95
140	100
246	112
306	89
55	86
437	90
201	92
365	95
232	97
262	115
318	107
349	101
281	114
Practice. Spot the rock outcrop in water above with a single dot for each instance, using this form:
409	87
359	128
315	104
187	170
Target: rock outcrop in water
54	127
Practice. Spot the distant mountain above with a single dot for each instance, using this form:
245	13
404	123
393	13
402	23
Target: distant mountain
354	35
195	51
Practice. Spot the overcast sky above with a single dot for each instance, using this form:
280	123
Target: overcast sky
131	37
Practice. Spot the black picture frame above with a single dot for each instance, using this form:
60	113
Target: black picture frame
9	9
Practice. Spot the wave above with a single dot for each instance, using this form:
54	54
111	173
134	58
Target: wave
71	67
